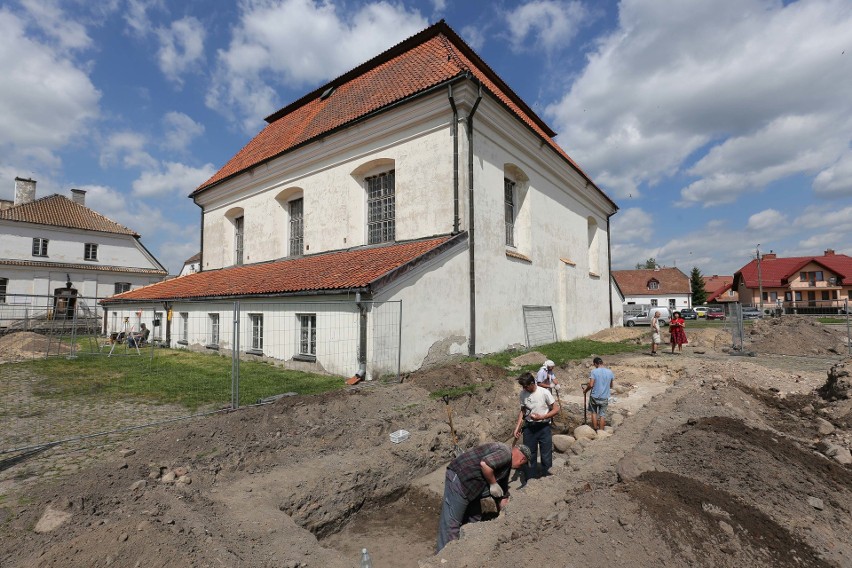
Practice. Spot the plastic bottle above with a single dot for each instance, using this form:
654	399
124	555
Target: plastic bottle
366	561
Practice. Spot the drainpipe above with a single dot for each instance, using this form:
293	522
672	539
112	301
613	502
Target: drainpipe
201	245
472	265
362	336
609	266
455	133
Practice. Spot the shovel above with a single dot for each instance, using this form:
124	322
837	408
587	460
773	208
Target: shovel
456	449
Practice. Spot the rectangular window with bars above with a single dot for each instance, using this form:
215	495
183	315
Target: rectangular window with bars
214	329
297	227
39	247
184	327
90	251
308	335
509	205
122	287
239	223
4	283
381	208
256	332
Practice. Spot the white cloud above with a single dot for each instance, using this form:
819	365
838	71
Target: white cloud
272	46
767	219
551	24
474	36
762	87
49	17
180	131
175	178
632	225
181	47
128	150
46	100
137	18
439	5
835	180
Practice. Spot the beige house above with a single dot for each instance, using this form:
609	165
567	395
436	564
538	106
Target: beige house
799	283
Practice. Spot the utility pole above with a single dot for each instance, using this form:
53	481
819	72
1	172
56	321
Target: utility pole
759	278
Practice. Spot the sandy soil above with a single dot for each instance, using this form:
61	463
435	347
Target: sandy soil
714	460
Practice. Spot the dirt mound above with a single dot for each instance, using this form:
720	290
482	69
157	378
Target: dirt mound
795	335
455	376
619	334
23	345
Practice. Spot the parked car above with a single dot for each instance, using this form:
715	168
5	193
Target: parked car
701	311
750	313
645	317
688	314
715	314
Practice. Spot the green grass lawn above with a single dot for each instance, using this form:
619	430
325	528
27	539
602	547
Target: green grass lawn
170	377
831	320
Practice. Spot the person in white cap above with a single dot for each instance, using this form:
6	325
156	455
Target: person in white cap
546	377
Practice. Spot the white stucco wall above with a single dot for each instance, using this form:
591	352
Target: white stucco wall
681	300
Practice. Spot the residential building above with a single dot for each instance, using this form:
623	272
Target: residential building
55	247
191	265
668	287
720	289
796	282
420	178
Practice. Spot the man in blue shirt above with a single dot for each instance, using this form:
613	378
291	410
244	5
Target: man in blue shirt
600	381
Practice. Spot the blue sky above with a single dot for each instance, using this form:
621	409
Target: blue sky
716	125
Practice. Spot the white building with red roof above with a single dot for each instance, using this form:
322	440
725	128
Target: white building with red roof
796	283
54	246
418	177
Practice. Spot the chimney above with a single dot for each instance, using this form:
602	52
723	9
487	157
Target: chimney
829	252
769	256
24	190
79	196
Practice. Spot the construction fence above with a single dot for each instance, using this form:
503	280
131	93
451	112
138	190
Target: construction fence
72	370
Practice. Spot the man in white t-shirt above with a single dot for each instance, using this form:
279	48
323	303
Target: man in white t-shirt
546	377
538	407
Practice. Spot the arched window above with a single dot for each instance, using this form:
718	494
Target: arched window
378	178
515	209
594	254
292	202
237	218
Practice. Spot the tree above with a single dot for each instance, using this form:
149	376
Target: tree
699	294
650	263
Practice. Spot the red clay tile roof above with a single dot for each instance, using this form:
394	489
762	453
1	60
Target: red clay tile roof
635	282
82	266
428	59
716	285
59	211
340	270
775	272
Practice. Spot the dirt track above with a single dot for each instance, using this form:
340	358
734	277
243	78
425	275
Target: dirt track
706	467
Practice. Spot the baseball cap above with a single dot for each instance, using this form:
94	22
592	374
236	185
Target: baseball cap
526	451
549	363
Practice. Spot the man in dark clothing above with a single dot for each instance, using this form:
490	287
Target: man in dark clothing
482	468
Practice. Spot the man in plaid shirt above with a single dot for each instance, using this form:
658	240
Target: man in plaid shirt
481	470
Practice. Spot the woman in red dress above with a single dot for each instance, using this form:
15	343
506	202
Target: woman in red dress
676	326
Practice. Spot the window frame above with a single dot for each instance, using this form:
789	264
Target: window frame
510	210
307	335
40	246
256	327
239	239
380	190
215	330
90	252
124	285
296	245
4	289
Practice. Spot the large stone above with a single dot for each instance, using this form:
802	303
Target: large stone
843	456
585	432
825	427
632	466
603	434
51	519
562	443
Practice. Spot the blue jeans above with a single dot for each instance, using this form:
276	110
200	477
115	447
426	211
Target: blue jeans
538	435
455	511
